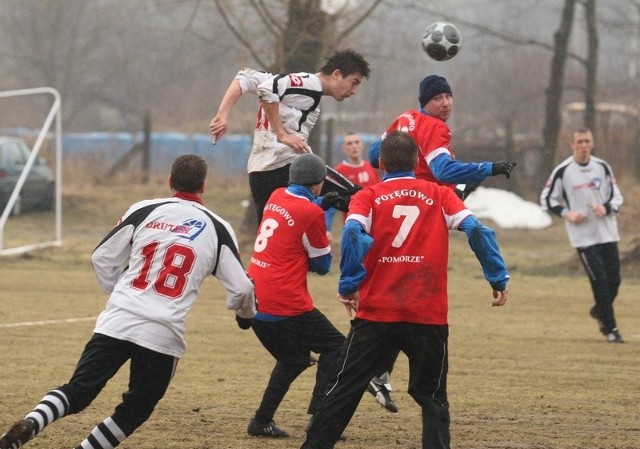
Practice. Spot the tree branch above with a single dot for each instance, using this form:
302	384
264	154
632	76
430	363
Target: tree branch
239	36
356	23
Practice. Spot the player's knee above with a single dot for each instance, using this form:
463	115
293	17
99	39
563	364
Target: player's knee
79	398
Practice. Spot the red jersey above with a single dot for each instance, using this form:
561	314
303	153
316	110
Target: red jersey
291	232
432	136
363	174
409	220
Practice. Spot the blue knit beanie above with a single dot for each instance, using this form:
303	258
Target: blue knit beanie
431	86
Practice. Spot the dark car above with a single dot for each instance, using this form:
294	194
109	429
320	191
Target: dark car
39	188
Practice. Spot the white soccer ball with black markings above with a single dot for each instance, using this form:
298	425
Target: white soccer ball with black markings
441	41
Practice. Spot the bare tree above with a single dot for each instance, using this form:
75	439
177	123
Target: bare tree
591	65
50	46
552	125
282	35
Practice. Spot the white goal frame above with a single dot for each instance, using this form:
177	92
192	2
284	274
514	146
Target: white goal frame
54	113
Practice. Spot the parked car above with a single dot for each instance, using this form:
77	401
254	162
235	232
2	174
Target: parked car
38	191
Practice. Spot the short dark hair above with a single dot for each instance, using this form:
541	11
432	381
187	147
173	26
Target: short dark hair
188	173
398	152
347	61
581	130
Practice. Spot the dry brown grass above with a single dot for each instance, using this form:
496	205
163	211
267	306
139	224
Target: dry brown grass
534	374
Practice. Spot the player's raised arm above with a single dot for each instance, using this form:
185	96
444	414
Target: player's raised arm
218	124
246	80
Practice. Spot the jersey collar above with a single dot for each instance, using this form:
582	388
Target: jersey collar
300	190
399	174
188	196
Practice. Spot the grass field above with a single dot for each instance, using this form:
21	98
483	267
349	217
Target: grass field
535	374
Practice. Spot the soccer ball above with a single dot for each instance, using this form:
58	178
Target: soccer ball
441	41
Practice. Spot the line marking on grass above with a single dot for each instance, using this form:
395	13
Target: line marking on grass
44	322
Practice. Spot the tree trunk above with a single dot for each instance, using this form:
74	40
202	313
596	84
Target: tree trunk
302	50
591	63
303	45
553	120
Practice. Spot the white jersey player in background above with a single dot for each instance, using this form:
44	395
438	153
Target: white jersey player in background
583	191
152	263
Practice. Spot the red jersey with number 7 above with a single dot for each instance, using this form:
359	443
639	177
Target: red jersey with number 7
409	220
291	232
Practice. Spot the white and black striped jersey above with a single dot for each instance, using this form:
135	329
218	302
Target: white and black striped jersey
298	95
578	188
153	263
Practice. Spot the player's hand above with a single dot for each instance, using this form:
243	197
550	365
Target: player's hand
244	323
502	168
575	217
350	302
599	210
218	127
335	200
500	298
298	144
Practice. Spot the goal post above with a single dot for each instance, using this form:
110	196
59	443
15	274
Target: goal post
54	114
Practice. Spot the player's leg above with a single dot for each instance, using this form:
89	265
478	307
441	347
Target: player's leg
361	356
604	276
611	257
380	385
262	185
291	360
101	359
318	334
426	348
150	375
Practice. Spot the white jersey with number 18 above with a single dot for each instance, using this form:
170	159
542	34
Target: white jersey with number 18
170	246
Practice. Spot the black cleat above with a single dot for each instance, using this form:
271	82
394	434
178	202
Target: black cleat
382	395
614	336
269	430
21	432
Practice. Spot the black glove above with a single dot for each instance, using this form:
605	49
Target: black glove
502	168
244	323
335	200
468	189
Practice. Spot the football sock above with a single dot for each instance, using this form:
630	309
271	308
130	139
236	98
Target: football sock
105	435
52	407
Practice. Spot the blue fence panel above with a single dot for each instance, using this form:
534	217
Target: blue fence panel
228	157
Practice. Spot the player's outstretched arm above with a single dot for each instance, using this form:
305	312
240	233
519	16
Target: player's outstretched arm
246	80
218	124
354	245
447	169
483	243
